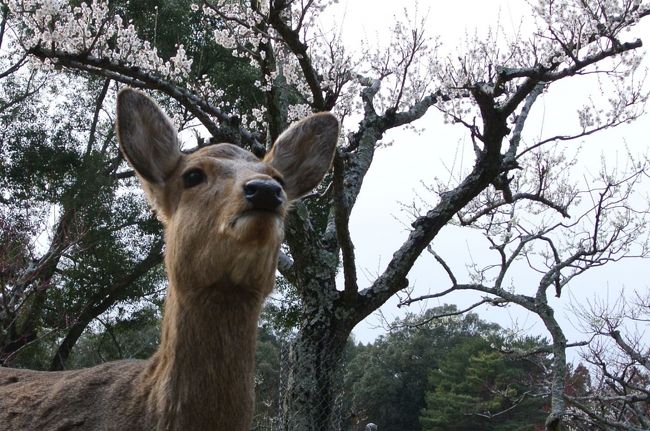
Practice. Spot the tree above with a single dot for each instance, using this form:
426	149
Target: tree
445	373
387	380
53	172
490	88
66	170
133	335
555	253
478	387
617	394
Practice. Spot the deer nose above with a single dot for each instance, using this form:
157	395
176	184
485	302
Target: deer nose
263	194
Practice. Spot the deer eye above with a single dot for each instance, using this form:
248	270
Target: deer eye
193	177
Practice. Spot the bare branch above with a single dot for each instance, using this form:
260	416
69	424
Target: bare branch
342	222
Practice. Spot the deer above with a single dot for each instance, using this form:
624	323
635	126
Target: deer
223	213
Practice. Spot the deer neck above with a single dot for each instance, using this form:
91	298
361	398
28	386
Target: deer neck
202	374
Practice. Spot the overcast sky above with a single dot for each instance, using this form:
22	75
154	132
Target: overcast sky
398	171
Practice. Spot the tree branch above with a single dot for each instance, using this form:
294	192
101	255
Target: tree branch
629	350
98	108
342	222
299	49
139	78
108	298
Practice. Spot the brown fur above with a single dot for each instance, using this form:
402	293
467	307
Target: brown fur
220	259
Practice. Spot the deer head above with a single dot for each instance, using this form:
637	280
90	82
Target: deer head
223	209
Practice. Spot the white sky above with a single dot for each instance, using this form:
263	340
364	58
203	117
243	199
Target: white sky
378	224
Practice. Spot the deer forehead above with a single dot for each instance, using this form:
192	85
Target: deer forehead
225	151
229	161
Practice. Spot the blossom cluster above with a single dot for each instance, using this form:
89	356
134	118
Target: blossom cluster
87	30
573	30
248	33
410	68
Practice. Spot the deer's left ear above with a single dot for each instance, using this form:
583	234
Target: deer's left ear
304	153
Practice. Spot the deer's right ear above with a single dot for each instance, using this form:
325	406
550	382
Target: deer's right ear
147	138
149	142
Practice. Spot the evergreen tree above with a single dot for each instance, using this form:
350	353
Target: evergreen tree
440	373
478	387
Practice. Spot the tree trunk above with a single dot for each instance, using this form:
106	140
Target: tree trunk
315	376
314	362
